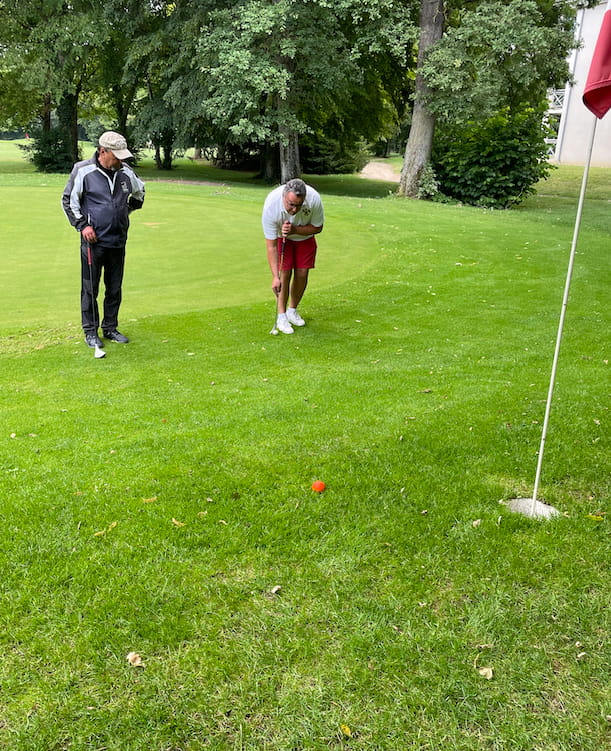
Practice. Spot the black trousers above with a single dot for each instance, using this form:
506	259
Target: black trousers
94	260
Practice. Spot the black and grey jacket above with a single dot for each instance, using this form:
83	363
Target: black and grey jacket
103	199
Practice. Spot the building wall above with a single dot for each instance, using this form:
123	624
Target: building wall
576	121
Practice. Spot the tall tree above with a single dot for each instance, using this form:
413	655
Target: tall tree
420	140
51	44
264	70
492	55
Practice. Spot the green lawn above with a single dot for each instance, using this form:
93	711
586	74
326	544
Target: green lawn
158	501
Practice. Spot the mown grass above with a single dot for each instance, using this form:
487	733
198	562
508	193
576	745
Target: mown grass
159	501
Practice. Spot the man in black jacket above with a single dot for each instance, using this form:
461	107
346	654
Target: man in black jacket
100	194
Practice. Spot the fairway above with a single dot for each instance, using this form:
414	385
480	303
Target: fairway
159	501
192	249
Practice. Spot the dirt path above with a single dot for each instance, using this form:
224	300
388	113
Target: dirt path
380	171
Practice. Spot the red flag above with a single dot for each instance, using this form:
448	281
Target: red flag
597	91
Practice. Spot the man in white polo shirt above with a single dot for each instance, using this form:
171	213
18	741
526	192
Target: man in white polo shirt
292	215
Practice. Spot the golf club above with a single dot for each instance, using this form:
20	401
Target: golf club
98	352
274	331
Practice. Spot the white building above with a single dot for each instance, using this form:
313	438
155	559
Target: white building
575	121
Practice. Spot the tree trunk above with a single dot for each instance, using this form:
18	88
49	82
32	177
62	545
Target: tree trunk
67	114
270	163
289	157
420	141
45	117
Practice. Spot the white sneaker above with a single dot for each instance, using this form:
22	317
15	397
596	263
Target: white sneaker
283	325
294	317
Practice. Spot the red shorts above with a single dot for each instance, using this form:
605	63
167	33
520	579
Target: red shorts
298	254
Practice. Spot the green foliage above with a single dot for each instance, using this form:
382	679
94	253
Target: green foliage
325	155
429	185
50	150
499	54
494	162
258	71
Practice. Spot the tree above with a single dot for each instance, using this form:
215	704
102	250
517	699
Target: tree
49	47
267	71
493	55
137	62
420	141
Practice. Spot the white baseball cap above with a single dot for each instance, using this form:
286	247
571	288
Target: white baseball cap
115	142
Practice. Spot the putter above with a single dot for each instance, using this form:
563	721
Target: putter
274	331
98	352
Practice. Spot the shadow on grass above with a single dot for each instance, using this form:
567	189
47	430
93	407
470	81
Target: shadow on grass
186	170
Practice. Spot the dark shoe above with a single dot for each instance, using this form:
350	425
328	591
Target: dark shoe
116	336
93	340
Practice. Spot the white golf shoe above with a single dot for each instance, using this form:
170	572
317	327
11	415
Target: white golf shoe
282	324
294	317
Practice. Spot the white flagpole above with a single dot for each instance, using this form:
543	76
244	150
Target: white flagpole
565	300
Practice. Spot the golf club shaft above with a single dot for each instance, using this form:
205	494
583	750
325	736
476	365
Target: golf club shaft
97	352
280	265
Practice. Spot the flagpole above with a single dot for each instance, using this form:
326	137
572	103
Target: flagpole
597	98
565	300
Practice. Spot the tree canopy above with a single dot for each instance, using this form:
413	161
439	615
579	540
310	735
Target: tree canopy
256	77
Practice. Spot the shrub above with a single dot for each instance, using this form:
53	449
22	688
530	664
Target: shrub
50	150
494	163
322	154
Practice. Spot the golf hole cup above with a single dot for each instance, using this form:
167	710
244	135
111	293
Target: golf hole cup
318	486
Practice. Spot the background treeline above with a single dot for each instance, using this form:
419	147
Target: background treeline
292	86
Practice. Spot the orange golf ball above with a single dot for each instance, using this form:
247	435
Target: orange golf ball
318	486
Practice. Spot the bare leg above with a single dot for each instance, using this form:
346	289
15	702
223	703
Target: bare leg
298	287
284	292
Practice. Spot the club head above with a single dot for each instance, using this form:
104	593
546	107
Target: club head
99	353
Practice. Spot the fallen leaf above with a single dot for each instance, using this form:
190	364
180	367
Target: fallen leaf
476	523
486	672
346	730
135	660
177	523
276	589
149	500
104	531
